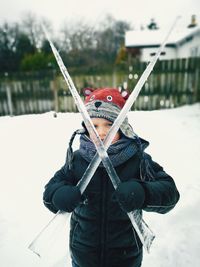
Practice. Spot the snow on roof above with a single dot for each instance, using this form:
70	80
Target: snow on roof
140	38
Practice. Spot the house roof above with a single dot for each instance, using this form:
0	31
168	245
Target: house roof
154	38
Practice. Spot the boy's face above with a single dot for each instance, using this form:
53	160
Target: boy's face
103	126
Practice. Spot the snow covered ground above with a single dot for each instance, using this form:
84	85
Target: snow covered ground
33	147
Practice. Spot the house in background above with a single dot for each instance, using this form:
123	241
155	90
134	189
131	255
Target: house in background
182	43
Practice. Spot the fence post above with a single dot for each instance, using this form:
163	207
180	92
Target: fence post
197	80
9	99
54	87
114	81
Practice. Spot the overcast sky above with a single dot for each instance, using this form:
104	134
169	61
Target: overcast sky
136	12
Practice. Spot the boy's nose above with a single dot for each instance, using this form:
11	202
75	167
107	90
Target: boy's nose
97	104
101	132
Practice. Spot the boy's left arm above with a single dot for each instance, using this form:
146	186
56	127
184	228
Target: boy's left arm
158	194
161	194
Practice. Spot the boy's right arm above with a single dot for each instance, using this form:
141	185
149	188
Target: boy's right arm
61	192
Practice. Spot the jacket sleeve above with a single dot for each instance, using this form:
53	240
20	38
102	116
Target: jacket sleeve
161	192
61	178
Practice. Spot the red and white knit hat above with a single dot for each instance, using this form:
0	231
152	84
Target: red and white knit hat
107	103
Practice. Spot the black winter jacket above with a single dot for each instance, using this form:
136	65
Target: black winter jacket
101	234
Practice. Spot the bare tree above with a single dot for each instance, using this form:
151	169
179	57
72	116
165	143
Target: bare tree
32	26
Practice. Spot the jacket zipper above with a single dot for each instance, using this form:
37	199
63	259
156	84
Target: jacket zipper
104	182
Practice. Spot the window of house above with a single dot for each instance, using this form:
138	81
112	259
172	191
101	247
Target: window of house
153	54
194	51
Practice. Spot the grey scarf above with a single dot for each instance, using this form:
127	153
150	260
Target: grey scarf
119	152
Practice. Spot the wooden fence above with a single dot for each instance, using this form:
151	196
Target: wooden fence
172	83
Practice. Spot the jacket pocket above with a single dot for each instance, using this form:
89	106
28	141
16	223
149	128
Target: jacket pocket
73	230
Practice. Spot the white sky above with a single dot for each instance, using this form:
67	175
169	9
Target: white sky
135	11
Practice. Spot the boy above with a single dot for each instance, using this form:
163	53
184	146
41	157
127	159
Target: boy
101	234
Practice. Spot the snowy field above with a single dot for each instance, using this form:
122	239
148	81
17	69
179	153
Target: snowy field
33	147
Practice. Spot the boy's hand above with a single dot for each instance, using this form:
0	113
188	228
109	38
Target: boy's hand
67	198
130	195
